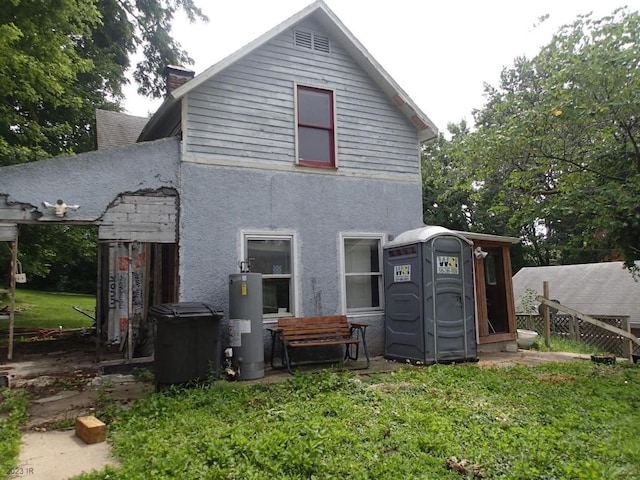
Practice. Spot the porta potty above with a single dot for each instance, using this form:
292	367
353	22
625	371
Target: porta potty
429	297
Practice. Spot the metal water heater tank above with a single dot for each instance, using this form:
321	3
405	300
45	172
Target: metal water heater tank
245	318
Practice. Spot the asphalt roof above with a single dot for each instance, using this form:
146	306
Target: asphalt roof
116	129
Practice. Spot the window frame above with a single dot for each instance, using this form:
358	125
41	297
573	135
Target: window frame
363	311
246	236
333	163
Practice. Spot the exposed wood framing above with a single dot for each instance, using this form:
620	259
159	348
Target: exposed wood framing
13	246
14	212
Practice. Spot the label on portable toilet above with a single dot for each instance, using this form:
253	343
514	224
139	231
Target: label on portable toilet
447	265
237	328
402	273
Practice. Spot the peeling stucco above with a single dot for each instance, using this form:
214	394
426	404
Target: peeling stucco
91	180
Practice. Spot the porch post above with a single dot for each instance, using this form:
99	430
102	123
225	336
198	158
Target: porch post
12	294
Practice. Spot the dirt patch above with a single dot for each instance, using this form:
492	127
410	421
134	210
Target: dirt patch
64	379
555	378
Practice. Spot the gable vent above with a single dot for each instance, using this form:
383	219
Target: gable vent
311	41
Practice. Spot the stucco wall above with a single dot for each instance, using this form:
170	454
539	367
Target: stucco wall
92	180
218	203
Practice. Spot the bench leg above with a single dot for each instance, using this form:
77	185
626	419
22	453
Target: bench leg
275	337
285	349
364	347
347	352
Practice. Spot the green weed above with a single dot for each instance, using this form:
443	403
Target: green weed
13	413
553	421
107	407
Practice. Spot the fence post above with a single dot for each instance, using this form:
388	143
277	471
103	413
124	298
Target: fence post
627	347
545	315
575	323
571	326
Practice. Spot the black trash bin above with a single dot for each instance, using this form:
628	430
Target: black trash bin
186	342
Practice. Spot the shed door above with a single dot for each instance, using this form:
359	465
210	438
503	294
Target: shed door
447	301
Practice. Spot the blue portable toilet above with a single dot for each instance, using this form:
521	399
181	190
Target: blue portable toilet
429	297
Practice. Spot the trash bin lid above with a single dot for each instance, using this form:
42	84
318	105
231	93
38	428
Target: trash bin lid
185	309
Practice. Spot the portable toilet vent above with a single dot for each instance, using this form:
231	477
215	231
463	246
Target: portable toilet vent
429	297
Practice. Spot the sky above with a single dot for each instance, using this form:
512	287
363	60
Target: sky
440	52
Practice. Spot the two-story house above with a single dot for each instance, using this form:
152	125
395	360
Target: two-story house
298	151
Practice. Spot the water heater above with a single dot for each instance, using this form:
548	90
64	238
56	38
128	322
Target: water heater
245	318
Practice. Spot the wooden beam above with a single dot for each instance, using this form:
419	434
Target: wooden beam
545	315
587	318
12	295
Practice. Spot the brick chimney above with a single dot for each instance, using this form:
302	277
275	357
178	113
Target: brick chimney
176	76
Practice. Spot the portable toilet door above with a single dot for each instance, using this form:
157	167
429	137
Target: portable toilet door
449	300
429	297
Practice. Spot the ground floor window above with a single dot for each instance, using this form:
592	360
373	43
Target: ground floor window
363	286
272	256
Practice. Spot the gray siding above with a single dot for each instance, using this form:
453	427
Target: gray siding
247	111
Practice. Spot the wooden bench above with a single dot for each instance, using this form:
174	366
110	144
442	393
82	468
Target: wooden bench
293	333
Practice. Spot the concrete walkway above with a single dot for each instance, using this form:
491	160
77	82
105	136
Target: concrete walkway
59	455
55	455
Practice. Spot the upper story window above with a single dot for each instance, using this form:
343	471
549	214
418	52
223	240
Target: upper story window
315	127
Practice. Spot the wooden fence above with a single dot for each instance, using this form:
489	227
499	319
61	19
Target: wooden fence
574	328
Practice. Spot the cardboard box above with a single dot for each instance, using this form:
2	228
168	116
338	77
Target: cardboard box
90	429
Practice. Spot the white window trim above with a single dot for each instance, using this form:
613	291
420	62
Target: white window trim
295	261
342	274
295	120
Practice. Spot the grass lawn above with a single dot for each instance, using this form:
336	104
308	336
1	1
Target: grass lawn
554	421
562	344
36	309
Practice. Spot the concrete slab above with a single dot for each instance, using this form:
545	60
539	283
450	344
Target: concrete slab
65	394
58	455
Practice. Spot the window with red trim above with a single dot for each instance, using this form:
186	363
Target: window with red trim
316	132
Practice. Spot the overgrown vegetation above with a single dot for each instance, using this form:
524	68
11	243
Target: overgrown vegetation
13	413
563	344
576	421
52	310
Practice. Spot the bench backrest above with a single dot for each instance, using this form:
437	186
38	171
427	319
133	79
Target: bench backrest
314	328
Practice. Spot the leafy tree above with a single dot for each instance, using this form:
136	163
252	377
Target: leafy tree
39	70
54	265
558	144
446	182
61	59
